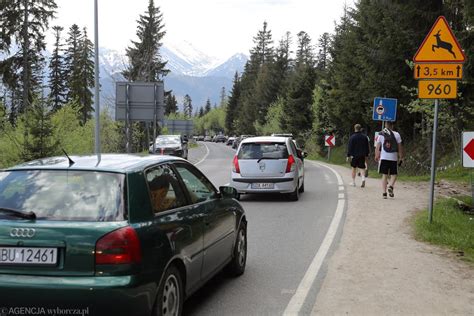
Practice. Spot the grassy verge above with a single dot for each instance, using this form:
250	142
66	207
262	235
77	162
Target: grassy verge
451	228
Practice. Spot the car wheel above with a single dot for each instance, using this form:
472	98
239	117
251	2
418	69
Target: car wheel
238	197
302	187
170	299
237	266
295	195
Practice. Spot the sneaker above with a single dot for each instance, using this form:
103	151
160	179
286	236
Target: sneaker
362	185
390	191
384	195
353	184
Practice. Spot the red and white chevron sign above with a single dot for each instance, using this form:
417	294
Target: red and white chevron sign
330	140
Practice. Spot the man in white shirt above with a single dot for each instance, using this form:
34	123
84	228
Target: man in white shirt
389	153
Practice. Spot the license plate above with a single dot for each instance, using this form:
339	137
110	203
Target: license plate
25	255
262	185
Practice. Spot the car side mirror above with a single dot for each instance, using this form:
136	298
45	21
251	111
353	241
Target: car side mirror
228	192
305	154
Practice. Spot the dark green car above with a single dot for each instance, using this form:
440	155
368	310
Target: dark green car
130	235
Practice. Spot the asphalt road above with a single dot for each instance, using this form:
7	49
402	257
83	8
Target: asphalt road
283	239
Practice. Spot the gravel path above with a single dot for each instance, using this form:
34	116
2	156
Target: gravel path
379	269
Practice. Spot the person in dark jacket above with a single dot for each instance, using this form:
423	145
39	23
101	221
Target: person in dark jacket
357	153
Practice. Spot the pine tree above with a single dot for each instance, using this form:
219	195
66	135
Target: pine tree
57	77
187	106
40	132
171	104
263	51
207	107
72	60
24	23
223	97
304	53
86	74
323	54
201	112
250	106
145	61
232	106
298	113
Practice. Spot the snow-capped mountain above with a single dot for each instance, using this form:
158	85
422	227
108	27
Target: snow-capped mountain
229	67
185	59
111	61
192	72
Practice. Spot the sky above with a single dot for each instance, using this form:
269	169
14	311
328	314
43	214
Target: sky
219	28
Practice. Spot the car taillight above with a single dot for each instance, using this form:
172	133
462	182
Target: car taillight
121	246
236	167
290	163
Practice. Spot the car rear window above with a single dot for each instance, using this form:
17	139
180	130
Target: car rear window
64	195
269	150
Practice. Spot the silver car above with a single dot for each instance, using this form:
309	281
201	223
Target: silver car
268	164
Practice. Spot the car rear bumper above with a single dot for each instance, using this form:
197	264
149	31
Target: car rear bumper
280	184
118	295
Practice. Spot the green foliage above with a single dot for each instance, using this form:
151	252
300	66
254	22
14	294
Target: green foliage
145	62
49	133
450	227
211	123
21	72
171	104
298	118
187	106
207	107
57	75
232	106
272	119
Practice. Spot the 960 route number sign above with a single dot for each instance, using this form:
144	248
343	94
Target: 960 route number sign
437	89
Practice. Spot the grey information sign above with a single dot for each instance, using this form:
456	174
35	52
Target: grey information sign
142	100
139	101
183	127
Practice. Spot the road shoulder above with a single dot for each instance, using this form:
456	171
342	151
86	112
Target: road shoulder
378	268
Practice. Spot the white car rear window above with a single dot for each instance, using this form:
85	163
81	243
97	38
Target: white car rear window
269	150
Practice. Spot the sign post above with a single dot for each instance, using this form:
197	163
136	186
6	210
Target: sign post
439	57
468	157
385	109
329	141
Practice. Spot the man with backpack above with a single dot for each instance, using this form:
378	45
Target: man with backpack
357	152
389	153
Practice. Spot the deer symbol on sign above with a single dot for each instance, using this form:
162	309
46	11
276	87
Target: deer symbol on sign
441	44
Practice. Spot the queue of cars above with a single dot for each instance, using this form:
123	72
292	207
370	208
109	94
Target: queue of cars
130	234
124	235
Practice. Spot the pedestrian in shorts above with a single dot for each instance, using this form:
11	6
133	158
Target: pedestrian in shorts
357	153
389	153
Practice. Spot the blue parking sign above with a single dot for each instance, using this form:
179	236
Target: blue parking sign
385	109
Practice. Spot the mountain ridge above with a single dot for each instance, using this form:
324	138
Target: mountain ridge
192	72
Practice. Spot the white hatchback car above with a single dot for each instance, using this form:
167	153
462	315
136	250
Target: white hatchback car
268	164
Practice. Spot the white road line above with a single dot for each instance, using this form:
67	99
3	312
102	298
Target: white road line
341	188
297	301
205	156
327	178
341	195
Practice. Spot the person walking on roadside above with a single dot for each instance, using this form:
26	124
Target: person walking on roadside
389	153
357	153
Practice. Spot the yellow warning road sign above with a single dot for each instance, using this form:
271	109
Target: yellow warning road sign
437	89
440	45
438	71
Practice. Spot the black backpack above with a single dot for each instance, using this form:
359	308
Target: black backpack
390	144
